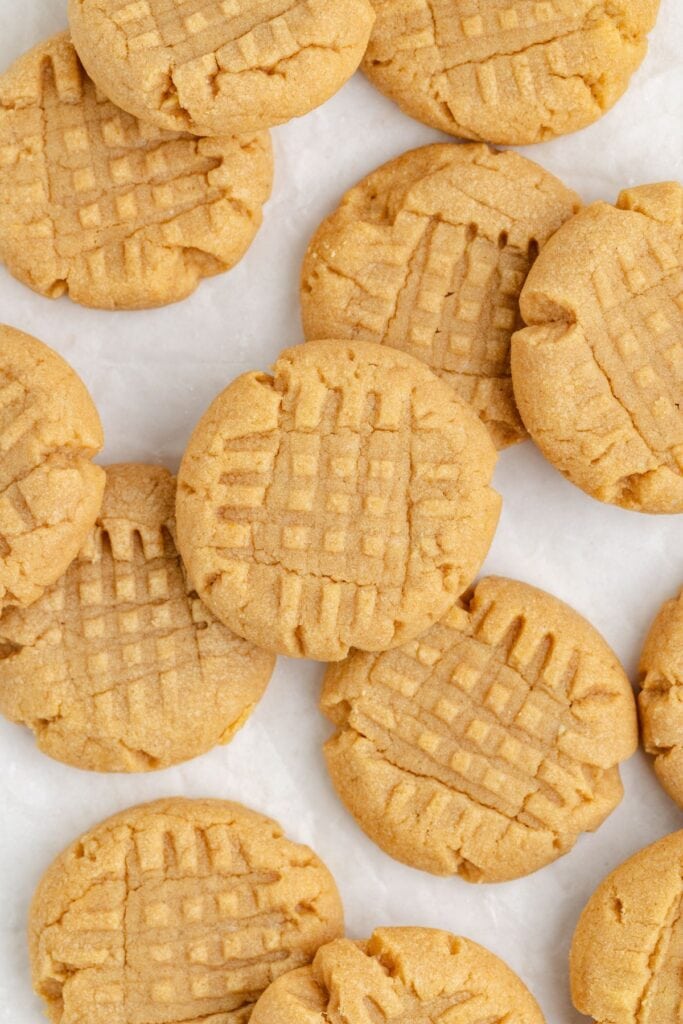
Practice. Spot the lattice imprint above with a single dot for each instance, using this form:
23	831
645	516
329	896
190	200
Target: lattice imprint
401	976
119	666
661	696
343	502
429	254
507	71
220	67
175	911
99	205
50	492
598	374
488	745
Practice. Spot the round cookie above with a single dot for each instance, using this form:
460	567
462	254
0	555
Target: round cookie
486	747
598	374
220	67
50	493
407	974
112	211
661	697
625	962
177	910
343	502
507	71
429	254
119	666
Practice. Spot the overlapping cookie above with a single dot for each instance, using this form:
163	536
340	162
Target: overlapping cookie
428	254
488	745
119	666
108	209
178	910
220	67
598	374
343	502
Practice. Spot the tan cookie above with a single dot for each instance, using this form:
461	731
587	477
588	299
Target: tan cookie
487	746
661	697
598	374
50	493
220	67
119	666
400	975
176	911
626	955
114	212
343	502
507	71
429	254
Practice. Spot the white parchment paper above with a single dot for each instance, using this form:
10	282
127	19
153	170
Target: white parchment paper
152	375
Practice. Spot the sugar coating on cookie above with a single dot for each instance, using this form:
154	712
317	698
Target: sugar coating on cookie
175	911
598	374
485	747
50	493
429	254
220	67
507	71
399	975
343	502
661	696
112	211
625	963
119	666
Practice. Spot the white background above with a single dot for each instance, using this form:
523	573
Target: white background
152	375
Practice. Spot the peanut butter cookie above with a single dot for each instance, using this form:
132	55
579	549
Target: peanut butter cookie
112	211
429	254
407	974
487	746
598	374
507	71
119	666
50	492
343	502
625	959
661	697
176	911
220	67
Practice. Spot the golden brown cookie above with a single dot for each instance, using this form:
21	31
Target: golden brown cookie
507	71
114	212
626	955
486	747
176	911
343	502
119	666
598	374
220	67
429	254
400	976
50	493
661	697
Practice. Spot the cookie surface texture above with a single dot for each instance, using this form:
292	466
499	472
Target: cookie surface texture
512	72
660	699
119	666
410	974
429	254
486	747
174	911
598	374
343	502
625	960
220	67
50	492
117	214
